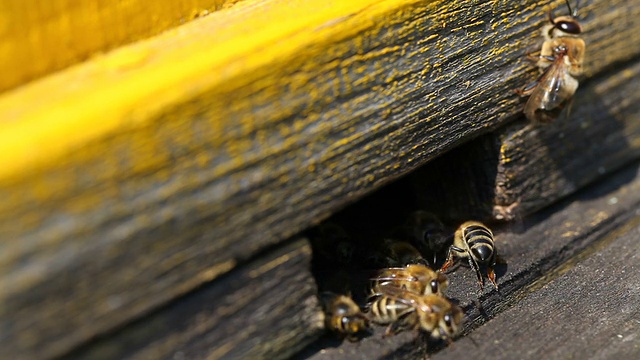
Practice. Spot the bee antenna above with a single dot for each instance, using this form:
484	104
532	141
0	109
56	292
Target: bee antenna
573	12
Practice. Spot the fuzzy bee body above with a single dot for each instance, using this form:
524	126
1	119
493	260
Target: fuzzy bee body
415	278
427	232
560	59
401	253
386	310
402	309
343	316
474	241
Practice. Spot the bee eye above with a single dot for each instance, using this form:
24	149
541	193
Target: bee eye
447	320
570	27
434	286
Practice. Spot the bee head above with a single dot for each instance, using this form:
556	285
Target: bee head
355	324
566	24
450	322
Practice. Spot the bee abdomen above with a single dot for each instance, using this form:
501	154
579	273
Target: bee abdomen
386	310
478	232
480	242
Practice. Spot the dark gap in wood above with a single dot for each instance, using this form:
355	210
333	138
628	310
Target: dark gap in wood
378	216
481	308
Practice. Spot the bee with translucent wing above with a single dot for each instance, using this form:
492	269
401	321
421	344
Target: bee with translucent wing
560	59
415	278
401	309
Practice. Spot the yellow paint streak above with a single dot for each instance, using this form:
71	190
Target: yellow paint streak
39	37
466	26
215	271
128	87
278	261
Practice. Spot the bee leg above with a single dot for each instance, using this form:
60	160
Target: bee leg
569	105
531	57
539	59
393	329
492	277
476	268
450	259
527	89
448	263
352	338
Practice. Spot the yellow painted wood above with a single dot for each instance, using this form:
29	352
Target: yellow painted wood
38	37
130	85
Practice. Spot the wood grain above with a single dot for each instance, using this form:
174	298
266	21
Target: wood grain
538	250
590	311
539	165
267	309
134	178
39	38
521	168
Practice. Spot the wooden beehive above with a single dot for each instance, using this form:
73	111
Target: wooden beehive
160	161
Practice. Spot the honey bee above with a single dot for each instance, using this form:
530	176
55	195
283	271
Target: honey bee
343	316
415	278
474	241
427	231
333	243
401	253
401	310
560	59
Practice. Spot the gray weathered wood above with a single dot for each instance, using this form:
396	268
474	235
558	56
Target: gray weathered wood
539	165
267	309
119	240
537	250
590	311
522	168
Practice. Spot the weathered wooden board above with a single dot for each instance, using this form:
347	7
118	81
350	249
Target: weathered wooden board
42	37
267	309
539	249
522	168
539	165
591	311
138	176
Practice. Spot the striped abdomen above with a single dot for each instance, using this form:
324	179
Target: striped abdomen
479	240
386	310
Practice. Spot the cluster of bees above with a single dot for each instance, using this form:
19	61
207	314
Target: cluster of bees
408	294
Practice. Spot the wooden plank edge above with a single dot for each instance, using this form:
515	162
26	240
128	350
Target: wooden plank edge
267	309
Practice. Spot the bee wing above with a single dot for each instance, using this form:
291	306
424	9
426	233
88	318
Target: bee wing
554	88
392	270
401	295
395	278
